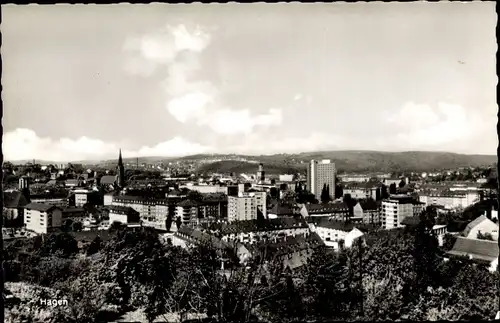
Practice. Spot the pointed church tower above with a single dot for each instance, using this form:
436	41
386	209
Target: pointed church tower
120	172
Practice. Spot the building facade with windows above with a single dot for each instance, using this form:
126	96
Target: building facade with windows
246	205
42	218
320	173
123	214
395	209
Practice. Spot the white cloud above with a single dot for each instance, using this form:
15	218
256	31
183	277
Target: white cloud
449	126
175	147
189	106
231	122
298	96
415	116
188	99
22	144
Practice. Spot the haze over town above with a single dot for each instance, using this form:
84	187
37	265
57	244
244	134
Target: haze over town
164	80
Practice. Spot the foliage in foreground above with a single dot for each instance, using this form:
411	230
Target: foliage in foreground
395	276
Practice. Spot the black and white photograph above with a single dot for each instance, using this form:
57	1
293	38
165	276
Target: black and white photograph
250	162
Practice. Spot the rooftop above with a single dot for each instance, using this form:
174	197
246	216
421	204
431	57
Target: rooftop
326	208
479	249
281	223
40	207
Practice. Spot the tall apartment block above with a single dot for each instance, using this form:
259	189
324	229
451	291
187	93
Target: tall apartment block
245	205
320	173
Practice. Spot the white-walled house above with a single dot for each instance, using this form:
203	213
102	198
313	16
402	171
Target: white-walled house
332	232
481	225
352	236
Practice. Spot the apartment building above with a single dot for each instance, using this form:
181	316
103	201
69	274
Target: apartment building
207	189
42	218
395	209
449	199
188	211
145	207
123	214
354	178
246	205
336	210
366	190
320	173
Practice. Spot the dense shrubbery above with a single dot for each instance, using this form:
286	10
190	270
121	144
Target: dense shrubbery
394	276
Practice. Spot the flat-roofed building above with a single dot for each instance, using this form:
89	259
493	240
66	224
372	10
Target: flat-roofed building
319	174
42	218
395	209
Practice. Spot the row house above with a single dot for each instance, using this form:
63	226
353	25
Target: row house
335	210
251	231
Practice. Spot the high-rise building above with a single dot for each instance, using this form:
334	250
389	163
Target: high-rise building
319	174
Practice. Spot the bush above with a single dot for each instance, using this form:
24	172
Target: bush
485	236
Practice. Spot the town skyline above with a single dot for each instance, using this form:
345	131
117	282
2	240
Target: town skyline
177	81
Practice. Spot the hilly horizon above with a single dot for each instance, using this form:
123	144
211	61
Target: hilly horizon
345	160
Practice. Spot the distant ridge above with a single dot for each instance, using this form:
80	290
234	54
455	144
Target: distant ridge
346	160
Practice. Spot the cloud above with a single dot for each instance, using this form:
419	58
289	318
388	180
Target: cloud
298	96
175	147
231	122
22	144
189	99
421	126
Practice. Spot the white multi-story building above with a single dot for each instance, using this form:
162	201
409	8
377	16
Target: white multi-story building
81	197
320	173
42	218
395	209
354	178
207	189
449	199
245	205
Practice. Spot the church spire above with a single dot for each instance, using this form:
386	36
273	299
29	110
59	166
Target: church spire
121	171
120	161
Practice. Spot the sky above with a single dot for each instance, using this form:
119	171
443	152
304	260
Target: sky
82	81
